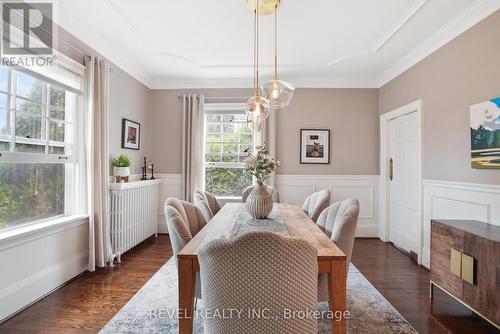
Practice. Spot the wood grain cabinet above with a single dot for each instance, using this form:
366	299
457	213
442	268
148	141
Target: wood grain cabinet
465	263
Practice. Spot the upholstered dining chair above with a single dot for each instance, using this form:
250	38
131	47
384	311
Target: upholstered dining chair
275	195
207	203
184	221
316	203
259	270
339	222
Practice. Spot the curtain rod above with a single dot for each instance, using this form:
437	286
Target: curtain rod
218	97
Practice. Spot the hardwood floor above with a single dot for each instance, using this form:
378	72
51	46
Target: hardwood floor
90	301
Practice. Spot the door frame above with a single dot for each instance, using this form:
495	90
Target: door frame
384	206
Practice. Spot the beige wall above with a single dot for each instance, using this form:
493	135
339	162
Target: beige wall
351	114
353	119
128	98
463	72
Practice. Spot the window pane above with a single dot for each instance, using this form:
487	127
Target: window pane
30	192
213	128
212	158
213	118
56	131
226	181
56	150
214	138
245	128
30	148
227	118
230	148
4	146
57	97
28	126
57	113
213	148
4	122
29	87
4	79
230	158
3	101
246	138
28	107
228	128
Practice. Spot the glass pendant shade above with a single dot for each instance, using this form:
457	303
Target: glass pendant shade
278	92
257	111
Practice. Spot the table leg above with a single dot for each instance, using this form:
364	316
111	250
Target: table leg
187	277
338	295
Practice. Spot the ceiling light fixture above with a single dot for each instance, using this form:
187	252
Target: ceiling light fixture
278	92
257	108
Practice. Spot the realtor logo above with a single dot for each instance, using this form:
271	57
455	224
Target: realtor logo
27	28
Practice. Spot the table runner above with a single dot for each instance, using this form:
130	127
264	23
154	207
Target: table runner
273	223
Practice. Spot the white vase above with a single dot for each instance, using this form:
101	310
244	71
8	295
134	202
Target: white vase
259	203
121	174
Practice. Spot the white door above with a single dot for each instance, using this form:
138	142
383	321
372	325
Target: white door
404	187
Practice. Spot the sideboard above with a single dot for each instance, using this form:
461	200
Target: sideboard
465	263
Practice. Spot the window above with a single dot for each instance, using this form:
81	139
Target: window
37	136
227	136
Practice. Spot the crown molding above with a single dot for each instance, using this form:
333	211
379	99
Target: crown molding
472	15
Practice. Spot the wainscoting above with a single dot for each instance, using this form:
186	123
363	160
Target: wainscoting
39	260
295	188
456	200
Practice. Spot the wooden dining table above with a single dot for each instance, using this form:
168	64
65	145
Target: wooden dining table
331	259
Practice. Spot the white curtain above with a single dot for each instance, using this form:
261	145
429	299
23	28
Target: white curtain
192	144
96	110
267	136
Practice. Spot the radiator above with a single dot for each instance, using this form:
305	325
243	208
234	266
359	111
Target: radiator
133	214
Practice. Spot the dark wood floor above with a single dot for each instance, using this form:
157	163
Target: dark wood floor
89	302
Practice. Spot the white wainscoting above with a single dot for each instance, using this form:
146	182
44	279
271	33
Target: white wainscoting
38	261
170	187
295	189
457	200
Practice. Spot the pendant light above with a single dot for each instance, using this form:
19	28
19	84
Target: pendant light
278	92
257	108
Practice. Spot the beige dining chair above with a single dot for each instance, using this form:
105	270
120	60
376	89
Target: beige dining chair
316	203
207	203
184	221
259	270
275	195
339	222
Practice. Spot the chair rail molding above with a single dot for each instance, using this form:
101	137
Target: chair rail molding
457	200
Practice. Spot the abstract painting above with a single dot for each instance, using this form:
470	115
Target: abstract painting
131	134
485	134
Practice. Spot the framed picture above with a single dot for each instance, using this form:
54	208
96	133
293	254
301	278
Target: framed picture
314	146
485	134
131	134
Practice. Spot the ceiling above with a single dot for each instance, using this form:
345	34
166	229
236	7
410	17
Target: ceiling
322	43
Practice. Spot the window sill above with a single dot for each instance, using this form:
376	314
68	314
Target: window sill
22	234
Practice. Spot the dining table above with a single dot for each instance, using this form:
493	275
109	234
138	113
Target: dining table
228	223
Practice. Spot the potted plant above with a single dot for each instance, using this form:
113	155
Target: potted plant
121	169
259	203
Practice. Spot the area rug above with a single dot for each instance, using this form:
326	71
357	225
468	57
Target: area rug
152	309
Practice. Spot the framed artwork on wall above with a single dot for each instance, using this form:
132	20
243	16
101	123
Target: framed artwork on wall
485	134
314	146
131	134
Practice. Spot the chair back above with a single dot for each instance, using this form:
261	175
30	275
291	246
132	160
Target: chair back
316	203
184	221
339	222
259	270
207	203
275	195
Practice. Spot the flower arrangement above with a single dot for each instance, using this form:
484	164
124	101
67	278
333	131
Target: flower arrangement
260	165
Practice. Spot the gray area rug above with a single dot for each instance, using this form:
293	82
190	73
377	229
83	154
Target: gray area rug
152	309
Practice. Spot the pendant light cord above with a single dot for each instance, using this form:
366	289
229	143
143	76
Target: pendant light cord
254	50
276	41
257	52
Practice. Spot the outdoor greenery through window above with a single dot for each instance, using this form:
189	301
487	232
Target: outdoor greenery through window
227	136
36	144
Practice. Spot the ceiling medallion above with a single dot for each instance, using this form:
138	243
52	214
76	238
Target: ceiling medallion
266	7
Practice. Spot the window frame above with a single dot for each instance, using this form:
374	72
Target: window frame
68	159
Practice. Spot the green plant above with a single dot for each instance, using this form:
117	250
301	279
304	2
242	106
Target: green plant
121	161
260	165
